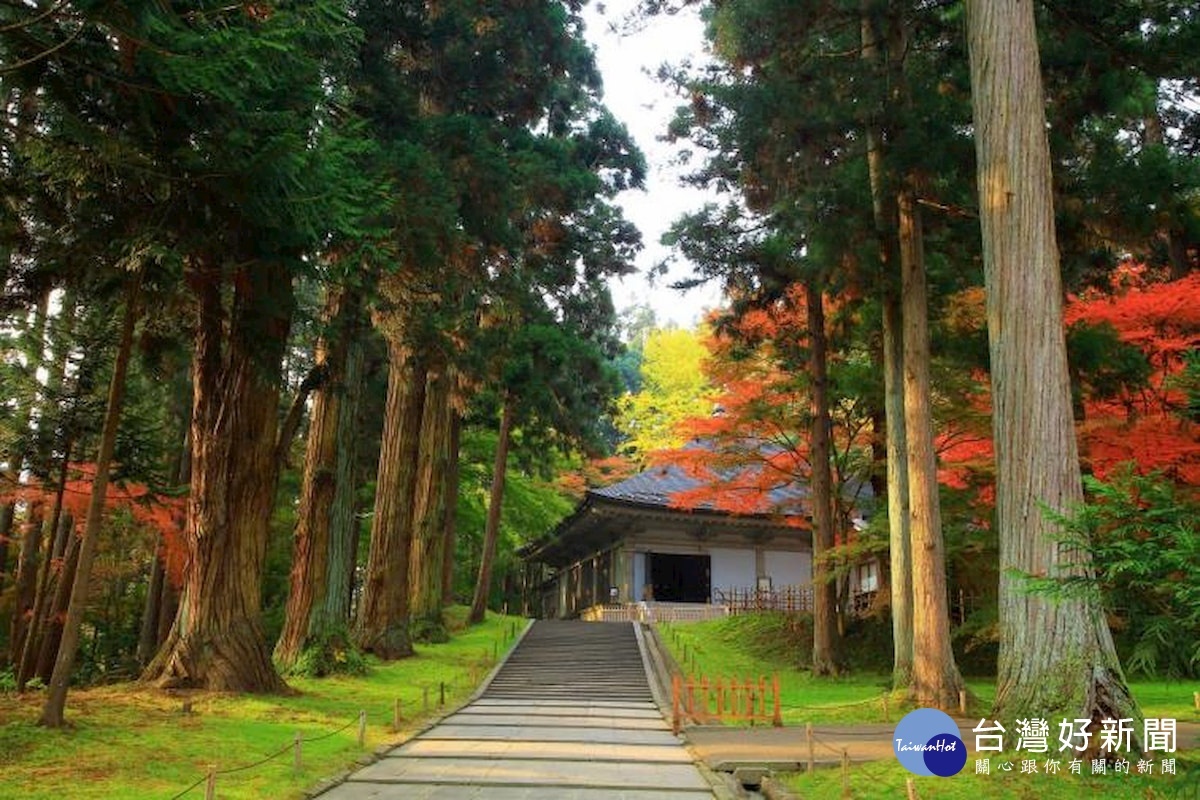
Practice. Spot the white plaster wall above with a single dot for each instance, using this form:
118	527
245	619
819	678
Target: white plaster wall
732	569
788	568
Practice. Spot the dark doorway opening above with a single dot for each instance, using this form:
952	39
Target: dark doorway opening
681	578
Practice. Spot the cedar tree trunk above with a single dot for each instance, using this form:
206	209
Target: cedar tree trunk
57	612
26	585
935	679
899	543
450	533
148	632
824	653
1056	654
383	613
429	528
491	530
306	624
217	640
343	524
64	665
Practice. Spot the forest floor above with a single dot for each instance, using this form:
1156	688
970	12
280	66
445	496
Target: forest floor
129	741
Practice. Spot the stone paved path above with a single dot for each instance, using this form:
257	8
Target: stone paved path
568	717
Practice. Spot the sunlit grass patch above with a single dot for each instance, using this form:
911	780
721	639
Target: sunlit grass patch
129	741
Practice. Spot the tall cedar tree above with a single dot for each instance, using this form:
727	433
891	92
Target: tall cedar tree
1056	655
317	614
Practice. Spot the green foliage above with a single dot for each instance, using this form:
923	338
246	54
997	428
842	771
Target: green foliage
1144	540
1103	366
329	653
532	507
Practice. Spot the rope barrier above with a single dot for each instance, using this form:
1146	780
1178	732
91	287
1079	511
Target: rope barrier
203	778
258	763
286	748
345	727
837	751
834	707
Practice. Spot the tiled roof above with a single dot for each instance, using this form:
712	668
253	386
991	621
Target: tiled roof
656	487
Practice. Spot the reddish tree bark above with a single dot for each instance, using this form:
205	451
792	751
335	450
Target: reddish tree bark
306	622
217	640
429	530
383	614
935	679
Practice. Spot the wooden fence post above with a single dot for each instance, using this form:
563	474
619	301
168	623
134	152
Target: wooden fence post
425	695
297	743
962	702
777	715
362	728
675	702
809	738
912	789
441	694
846	773
886	717
210	786
397	716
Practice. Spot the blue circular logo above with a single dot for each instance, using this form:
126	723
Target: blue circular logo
928	742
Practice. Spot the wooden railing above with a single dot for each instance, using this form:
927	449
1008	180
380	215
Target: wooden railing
748	599
702	700
654	612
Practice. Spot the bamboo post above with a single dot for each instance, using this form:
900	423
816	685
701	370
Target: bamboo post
762	697
720	698
441	694
362	728
912	789
704	697
962	702
846	773
210	786
777	713
1196	700
809	738
297	743
396	715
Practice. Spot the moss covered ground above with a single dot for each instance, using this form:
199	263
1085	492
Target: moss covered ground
130	741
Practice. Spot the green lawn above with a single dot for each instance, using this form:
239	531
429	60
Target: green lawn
762	645
887	780
754	645
132	742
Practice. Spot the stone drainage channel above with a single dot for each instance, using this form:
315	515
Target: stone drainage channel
568	716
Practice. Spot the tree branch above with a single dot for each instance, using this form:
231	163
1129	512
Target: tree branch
316	378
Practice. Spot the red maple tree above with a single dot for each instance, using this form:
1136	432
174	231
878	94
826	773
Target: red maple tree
159	514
